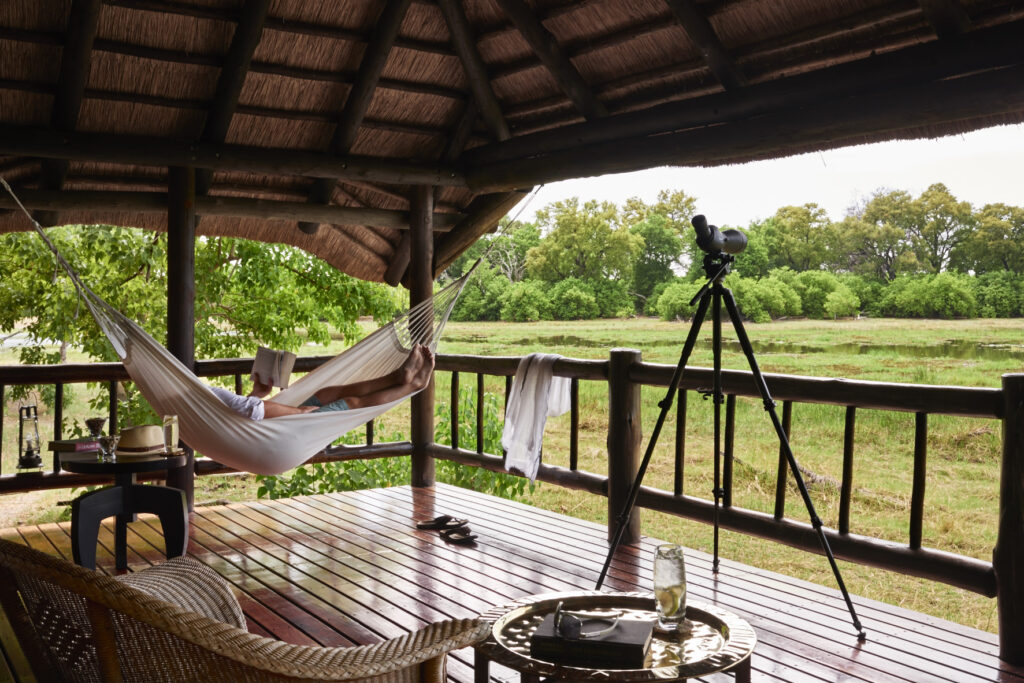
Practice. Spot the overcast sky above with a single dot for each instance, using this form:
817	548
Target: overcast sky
982	167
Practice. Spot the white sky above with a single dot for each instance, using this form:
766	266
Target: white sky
982	167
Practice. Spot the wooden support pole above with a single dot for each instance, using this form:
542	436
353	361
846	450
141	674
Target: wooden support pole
181	291
919	480
1008	556
421	286
703	36
624	434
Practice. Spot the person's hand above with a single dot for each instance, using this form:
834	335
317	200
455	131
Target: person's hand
259	389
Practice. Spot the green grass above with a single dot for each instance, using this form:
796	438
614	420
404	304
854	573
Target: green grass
963	466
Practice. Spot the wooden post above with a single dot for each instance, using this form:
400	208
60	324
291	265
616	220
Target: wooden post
1008	556
623	440
421	286
181	292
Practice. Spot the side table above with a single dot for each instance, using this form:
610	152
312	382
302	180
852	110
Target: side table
124	499
718	641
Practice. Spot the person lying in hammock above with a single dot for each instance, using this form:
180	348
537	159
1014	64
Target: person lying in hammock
412	376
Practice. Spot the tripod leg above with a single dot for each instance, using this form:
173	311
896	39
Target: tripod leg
769	405
665	404
716	346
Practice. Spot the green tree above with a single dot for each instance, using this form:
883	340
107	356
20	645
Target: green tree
525	301
573	299
481	299
944	223
509	251
878	240
251	293
996	245
662	247
584	242
800	237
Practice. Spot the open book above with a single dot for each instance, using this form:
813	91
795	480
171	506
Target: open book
273	367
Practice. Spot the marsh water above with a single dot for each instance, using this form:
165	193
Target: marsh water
961	349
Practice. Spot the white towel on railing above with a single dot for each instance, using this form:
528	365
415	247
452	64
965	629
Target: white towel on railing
535	396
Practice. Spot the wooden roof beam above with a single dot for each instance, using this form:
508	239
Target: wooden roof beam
947	17
359	95
247	36
117	201
476	70
139	150
83	21
703	36
481	215
829	122
551	55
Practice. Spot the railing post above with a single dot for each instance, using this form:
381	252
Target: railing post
1008	556
623	440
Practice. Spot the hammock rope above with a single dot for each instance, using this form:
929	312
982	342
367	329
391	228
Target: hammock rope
266	446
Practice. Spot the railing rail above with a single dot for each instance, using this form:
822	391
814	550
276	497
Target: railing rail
625	373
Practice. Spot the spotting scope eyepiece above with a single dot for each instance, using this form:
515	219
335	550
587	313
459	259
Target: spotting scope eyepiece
713	240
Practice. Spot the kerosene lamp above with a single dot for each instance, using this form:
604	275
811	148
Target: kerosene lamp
29	459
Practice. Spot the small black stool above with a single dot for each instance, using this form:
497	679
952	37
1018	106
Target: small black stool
124	500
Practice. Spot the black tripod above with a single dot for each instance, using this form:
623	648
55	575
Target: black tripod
717	264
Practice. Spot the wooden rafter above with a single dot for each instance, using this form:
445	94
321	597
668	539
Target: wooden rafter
141	150
74	73
482	213
116	201
229	83
551	55
703	36
476	70
359	95
947	17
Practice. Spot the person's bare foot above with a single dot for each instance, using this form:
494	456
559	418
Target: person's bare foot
411	365
423	376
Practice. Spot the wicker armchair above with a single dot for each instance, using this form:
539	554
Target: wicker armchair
76	624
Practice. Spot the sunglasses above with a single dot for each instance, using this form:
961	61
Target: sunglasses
569	625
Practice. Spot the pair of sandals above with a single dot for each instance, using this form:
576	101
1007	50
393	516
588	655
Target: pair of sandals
452	530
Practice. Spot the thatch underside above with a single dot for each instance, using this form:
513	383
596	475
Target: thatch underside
298	113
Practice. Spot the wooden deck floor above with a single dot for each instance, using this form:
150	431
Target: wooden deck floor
351	568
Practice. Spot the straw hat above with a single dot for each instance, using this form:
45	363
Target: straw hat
141	440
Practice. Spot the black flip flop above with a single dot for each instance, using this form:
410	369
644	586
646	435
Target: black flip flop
461	535
442	523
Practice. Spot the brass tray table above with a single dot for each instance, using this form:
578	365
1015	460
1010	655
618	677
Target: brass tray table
717	641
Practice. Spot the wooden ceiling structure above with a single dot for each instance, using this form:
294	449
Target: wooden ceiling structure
316	123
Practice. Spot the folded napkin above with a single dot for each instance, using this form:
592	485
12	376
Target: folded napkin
535	396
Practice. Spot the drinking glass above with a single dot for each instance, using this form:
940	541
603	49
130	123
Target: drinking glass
108	444
95	425
670	587
170	433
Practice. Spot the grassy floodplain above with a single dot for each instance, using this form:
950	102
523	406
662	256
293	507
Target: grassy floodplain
963	466
961	502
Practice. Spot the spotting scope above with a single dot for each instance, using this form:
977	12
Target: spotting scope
714	241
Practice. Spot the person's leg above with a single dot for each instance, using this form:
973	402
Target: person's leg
399	377
395	391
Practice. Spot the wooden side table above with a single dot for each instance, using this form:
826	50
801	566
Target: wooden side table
124	500
718	641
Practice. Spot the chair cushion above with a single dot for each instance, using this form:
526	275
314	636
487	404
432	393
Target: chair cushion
189	585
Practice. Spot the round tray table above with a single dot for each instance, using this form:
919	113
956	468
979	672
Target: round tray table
717	640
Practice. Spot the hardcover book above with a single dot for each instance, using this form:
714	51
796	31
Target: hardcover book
82	445
273	367
624	647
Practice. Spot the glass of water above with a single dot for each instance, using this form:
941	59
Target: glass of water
670	587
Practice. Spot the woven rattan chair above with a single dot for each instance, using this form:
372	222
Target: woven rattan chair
78	625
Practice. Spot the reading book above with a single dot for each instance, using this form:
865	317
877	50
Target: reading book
623	647
273	367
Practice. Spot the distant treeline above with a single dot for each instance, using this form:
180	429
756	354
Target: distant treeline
894	255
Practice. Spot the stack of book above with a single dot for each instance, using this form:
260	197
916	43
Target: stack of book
84	445
624	647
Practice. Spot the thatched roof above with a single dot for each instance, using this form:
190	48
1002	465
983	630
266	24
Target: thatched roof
300	113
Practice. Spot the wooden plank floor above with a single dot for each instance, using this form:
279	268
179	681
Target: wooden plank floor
351	568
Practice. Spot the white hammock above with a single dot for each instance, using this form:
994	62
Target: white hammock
265	446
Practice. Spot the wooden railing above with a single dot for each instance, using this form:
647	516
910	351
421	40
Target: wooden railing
625	373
